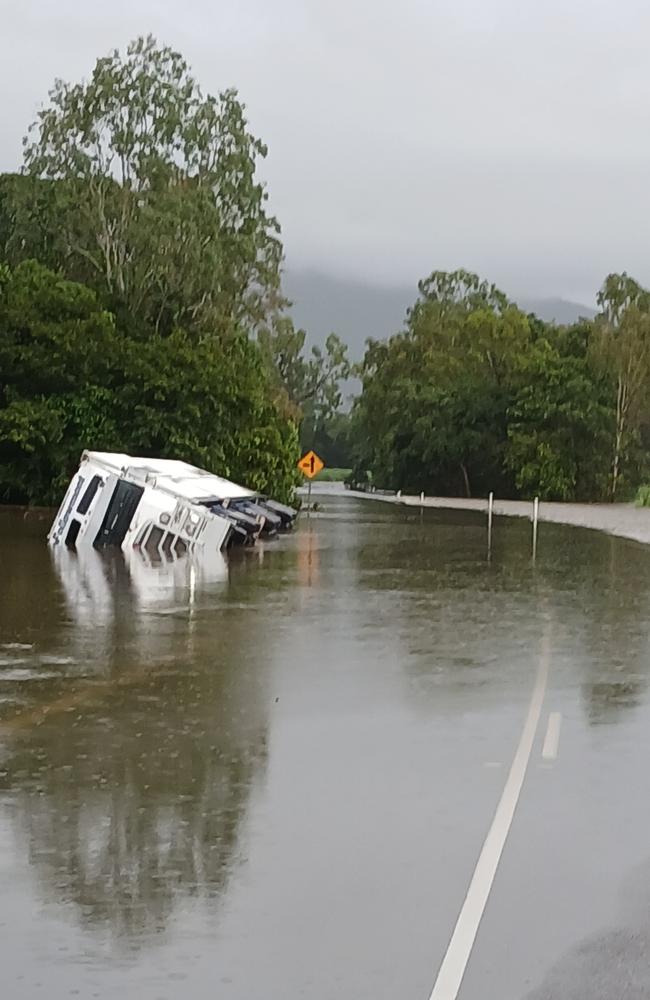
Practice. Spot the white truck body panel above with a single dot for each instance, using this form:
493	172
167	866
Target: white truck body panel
160	508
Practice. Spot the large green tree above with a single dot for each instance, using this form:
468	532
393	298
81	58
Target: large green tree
72	378
622	348
158	264
559	428
59	365
473	396
310	381
432	414
156	204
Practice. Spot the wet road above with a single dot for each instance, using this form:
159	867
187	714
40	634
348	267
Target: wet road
275	778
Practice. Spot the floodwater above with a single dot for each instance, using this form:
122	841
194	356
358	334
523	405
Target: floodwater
272	777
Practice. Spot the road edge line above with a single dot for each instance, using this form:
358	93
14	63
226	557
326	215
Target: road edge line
552	739
454	964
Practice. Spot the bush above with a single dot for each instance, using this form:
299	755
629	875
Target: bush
643	495
333	475
72	378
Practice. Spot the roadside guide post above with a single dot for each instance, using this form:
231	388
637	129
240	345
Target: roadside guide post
310	465
490	513
535	518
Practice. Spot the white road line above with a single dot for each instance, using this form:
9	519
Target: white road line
454	963
552	740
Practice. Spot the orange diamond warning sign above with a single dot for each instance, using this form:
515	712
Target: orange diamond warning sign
310	464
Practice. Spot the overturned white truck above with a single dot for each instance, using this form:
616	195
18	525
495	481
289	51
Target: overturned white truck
161	506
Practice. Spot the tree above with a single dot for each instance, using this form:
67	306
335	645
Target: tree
623	349
72	378
458	290
57	351
432	414
332	439
475	396
158	264
213	403
312	383
559	428
158	205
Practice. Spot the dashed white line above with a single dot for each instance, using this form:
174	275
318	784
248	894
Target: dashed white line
452	970
552	739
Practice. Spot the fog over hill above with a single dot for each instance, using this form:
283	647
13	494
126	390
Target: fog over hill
323	304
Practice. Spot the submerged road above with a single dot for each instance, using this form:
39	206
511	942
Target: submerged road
625	520
363	761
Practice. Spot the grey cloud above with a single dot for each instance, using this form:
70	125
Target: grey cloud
502	135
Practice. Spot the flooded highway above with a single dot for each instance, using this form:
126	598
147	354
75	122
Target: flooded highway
289	774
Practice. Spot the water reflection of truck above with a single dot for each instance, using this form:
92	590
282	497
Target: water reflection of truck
162	506
131	781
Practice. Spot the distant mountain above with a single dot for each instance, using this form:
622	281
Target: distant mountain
558	311
323	304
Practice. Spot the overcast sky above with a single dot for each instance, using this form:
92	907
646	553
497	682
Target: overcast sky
511	137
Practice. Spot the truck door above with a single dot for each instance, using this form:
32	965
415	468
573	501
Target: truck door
119	514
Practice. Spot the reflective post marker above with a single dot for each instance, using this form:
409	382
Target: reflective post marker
535	519
490	512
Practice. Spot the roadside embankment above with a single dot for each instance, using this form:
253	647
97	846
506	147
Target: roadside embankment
621	519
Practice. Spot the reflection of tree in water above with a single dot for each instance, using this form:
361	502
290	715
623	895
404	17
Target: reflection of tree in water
127	807
593	588
453	618
616	633
28	591
596	590
133	775
605	699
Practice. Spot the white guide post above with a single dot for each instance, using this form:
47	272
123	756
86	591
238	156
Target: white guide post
490	515
535	520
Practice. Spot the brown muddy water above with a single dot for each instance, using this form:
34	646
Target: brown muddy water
272	777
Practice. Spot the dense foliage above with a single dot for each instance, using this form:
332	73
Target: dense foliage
141	310
140	304
311	382
71	379
473	396
157	203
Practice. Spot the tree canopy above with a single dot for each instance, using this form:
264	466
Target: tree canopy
141	308
473	395
622	348
311	382
72	379
156	202
141	303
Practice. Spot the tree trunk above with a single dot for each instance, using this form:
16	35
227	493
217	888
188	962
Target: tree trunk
618	441
468	491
